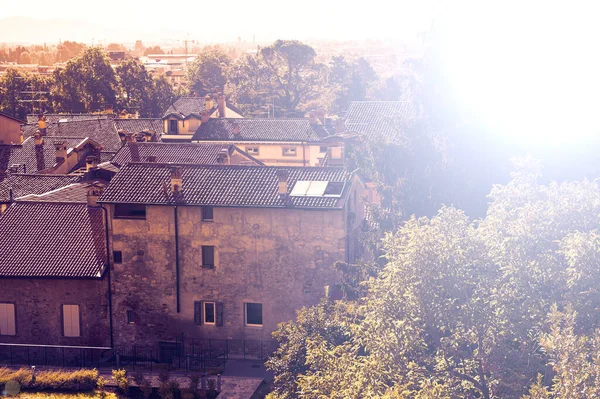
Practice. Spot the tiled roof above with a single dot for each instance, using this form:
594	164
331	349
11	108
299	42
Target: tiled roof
185	106
25	184
378	118
33	157
52	240
76	192
205	154
12	117
139	125
102	131
222	129
53	118
238	186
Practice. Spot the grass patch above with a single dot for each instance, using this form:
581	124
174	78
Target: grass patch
56	380
45	395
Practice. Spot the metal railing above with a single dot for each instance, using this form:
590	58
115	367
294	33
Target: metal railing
55	355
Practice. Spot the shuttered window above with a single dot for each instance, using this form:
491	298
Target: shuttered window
71	324
7	319
210	313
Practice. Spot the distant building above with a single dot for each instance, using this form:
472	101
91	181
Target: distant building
379	119
10	129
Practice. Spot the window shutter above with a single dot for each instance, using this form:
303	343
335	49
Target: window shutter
198	312
219	310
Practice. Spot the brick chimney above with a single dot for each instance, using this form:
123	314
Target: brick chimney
61	150
38	138
221	105
204	116
94	191
176	180
282	187
208	102
91	162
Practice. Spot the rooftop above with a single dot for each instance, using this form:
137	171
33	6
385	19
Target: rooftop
230	185
26	184
138	125
186	106
73	193
53	240
54	118
379	118
294	130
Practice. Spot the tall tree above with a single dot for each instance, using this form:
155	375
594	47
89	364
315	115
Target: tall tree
136	87
12	84
161	96
208	71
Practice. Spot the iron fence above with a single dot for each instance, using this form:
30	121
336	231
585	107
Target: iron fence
54	355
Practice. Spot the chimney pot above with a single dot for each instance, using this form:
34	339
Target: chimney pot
176	179
282	188
94	191
38	138
61	150
208	102
221	105
91	162
204	116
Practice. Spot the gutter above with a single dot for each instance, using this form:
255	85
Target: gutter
108	279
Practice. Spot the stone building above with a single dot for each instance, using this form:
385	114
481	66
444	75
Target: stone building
224	251
53	270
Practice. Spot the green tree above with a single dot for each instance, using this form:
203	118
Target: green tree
208	71
161	96
12	83
460	309
136	87
25	58
153	50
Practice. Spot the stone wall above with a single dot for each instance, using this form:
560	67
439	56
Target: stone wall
38	308
281	258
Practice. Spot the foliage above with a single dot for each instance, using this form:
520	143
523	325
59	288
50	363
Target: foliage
57	395
167	387
460	309
207	72
79	380
136	87
121	379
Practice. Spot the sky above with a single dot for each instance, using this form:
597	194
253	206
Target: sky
224	21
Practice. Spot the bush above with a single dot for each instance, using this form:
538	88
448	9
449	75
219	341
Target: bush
167	387
120	377
78	380
143	384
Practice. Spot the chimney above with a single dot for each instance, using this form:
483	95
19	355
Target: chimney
38	138
122	136
282	187
312	118
61	150
223	157
176	180
340	126
208	102
204	116
235	127
14	168
94	191
320	115
91	162
108	108
221	105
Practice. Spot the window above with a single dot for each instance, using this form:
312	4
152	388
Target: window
317	188
252	150
210	313
208	256
7	319
322	149
118	256
334	189
253	313
173	126
207	213
130	317
289	151
130	211
71	325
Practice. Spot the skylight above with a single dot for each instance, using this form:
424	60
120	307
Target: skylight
317	188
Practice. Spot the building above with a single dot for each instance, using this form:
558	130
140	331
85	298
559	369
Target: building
10	129
224	251
18	185
200	154
381	120
53	270
186	114
289	142
139	129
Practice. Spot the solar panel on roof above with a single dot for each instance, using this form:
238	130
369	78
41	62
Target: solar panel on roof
304	188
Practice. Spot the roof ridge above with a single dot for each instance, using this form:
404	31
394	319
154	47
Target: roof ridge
243	167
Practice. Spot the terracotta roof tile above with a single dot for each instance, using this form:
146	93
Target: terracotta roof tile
25	184
139	125
237	186
170	152
53	118
75	193
102	131
379	118
52	240
223	129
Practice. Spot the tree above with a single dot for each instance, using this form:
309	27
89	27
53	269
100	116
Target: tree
12	84
153	50
161	96
208	71
136	87
25	58
460	309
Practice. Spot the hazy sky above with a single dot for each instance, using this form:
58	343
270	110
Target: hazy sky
226	20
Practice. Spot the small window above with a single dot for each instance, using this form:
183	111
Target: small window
209	313
252	150
173	129
334	188
322	149
254	314
7	319
289	151
130	317
208	256
130	211
118	256
207	213
71	324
